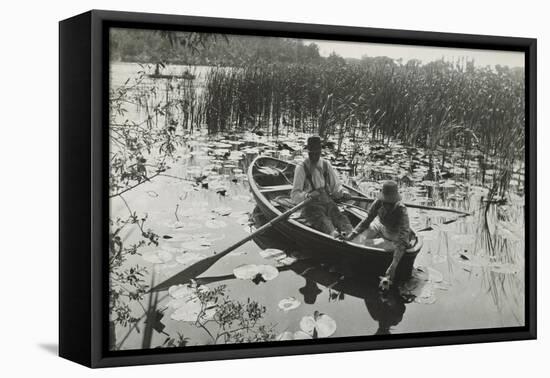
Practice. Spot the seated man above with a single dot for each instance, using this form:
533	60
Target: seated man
387	219
315	178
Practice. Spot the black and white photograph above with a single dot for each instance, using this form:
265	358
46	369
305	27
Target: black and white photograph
266	189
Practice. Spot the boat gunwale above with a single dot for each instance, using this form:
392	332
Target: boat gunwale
355	247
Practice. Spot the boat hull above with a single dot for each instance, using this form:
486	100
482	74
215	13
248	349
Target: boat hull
326	248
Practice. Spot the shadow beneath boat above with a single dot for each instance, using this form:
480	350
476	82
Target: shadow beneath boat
340	278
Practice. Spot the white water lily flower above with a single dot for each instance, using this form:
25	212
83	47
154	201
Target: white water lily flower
272	253
157	257
215	224
289	303
318	325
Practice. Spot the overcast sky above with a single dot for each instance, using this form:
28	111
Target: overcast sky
423	53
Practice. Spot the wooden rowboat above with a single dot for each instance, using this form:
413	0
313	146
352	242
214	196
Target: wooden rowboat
271	182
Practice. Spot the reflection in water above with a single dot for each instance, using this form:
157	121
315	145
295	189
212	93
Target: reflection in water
387	308
310	291
475	268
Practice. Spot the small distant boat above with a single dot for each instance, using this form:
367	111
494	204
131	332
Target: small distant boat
271	181
184	76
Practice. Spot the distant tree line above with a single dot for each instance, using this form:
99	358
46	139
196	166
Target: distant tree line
149	46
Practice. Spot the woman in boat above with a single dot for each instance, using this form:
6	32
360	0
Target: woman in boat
388	219
316	178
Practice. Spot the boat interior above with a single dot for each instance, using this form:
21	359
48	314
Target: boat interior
274	180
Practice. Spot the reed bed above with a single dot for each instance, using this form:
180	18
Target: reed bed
438	106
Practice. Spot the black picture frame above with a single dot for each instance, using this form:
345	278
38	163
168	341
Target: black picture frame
83	166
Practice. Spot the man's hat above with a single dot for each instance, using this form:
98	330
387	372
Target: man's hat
314	143
389	192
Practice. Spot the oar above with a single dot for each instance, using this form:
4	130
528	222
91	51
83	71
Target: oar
412	205
462	214
202	266
430	228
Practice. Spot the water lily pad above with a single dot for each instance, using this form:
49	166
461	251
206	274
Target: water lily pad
190	311
289	303
152	193
443	285
421	273
242	197
187	187
222	210
191	211
426	296
243	220
435	275
268	272
169	265
505	268
510	231
288	260
189	258
169	248
464	239
184	226
285	336
246	272
196	245
319	325
181	291
157	257
253	272
466	258
215	224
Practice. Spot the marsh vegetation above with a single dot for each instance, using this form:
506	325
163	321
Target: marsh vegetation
451	133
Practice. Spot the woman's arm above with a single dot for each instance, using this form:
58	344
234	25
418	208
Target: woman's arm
365	223
402	242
